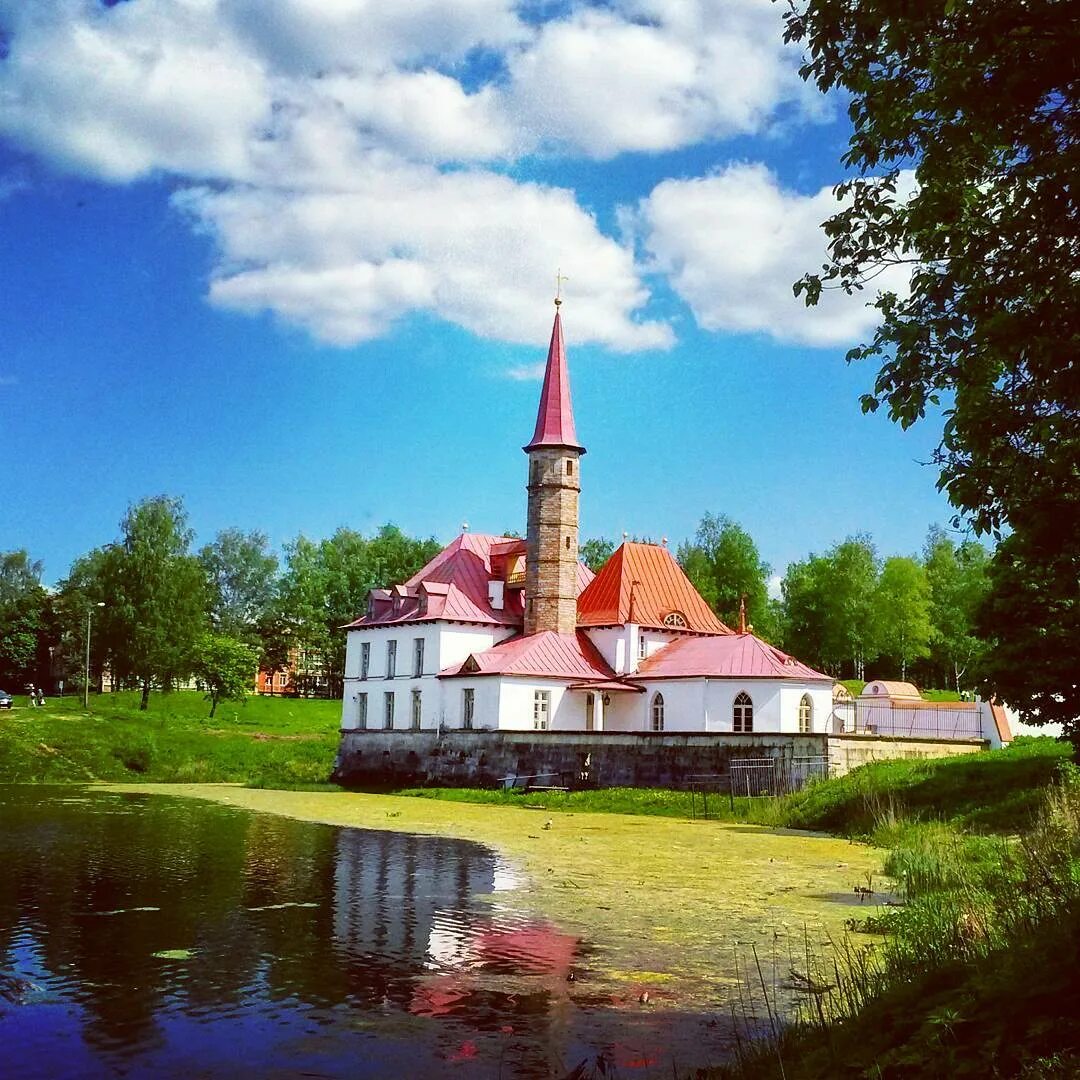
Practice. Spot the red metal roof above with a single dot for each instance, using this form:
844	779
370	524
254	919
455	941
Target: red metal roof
730	656
555	418
454	586
547	655
659	588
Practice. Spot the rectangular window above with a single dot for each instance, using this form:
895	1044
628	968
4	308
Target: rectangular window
468	707
416	710
365	659
388	715
642	652
283	678
361	711
541	709
418	658
391	659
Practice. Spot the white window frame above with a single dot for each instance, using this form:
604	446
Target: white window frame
742	713
365	659
391	658
541	710
361	711
418	657
388	710
806	714
416	715
468	707
656	712
642	645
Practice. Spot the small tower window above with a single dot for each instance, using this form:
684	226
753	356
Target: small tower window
568	543
657	713
742	713
806	715
569	467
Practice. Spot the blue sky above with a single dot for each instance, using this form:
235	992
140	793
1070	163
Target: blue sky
293	261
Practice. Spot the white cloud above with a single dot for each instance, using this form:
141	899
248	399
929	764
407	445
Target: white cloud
321	142
655	75
527	372
733	243
470	246
135	89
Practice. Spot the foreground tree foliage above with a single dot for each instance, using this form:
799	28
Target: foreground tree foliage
981	101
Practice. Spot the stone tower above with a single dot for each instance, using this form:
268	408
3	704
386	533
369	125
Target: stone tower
551	562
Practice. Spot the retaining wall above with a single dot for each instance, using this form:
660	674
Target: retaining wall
610	759
847	752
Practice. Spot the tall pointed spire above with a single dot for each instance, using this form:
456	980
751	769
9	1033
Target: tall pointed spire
555	418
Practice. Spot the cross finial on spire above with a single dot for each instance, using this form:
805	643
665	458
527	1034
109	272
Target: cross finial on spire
560	277
742	614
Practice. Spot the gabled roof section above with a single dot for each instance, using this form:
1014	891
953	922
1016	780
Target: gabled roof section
732	656
650	576
547	655
454	587
555	418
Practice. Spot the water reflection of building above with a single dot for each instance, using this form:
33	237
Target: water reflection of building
411	935
388	888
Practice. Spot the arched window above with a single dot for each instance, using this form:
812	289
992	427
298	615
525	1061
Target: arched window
742	714
675	618
656	713
806	715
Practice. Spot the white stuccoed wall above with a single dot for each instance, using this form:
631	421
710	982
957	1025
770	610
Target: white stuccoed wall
444	644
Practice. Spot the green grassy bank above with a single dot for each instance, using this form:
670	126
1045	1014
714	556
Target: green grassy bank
976	975
273	742
995	792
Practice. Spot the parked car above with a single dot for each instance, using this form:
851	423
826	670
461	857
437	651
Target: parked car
5	700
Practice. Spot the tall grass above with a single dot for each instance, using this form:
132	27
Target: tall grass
987	940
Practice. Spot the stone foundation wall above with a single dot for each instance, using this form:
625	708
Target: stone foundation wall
847	752
611	759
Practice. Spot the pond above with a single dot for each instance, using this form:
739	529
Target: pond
146	935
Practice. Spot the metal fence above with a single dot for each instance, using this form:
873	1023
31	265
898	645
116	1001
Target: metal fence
755	778
927	720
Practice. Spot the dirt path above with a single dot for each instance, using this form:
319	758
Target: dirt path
664	902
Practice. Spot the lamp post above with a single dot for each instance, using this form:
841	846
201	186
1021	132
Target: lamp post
86	681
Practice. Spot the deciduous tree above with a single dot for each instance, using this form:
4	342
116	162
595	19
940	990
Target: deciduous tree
959	581
982	102
903	612
24	620
241	573
723	563
595	552
225	666
154	595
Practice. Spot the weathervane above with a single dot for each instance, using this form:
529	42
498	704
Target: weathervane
560	277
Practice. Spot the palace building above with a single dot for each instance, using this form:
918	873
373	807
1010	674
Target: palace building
503	634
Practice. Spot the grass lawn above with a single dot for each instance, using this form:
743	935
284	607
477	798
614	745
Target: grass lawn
992	792
265	741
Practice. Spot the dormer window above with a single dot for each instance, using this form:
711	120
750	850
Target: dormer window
675	619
